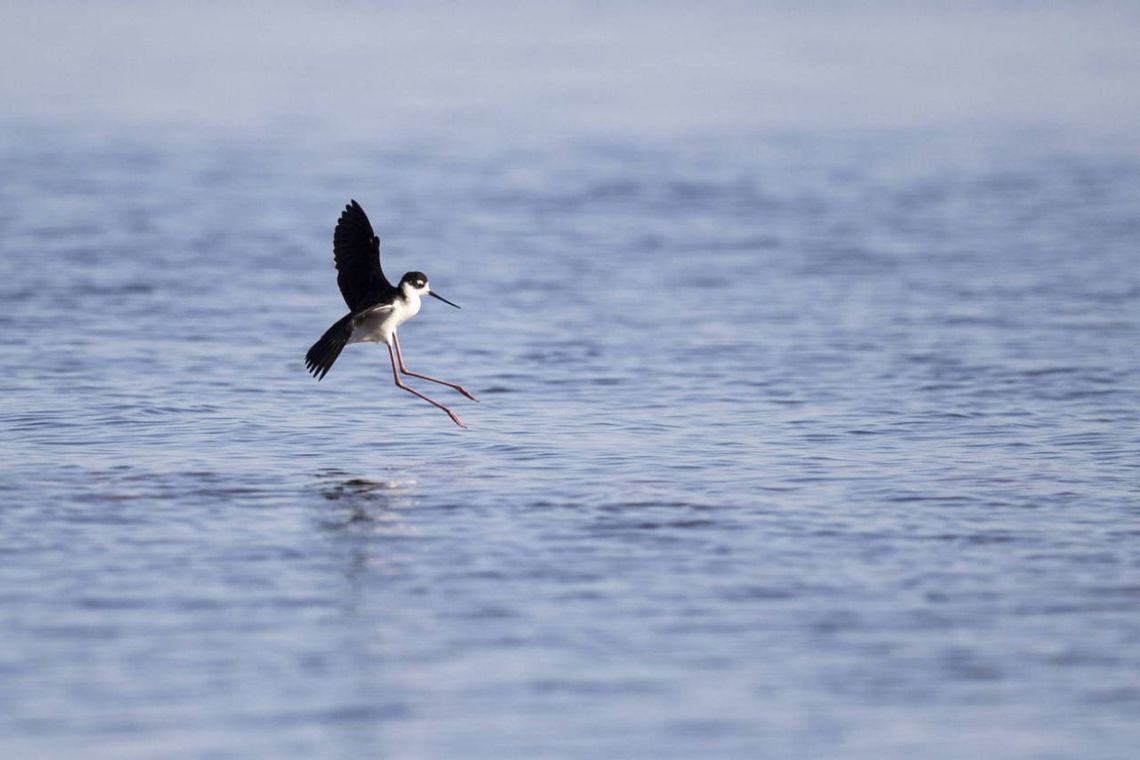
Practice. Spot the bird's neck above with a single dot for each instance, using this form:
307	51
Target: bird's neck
409	296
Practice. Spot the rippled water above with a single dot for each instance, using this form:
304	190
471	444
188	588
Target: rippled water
813	443
785	445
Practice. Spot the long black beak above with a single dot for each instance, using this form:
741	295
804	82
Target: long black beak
433	294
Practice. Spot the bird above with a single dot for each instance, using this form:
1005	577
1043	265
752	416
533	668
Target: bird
376	307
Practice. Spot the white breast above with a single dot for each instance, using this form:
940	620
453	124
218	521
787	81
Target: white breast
377	325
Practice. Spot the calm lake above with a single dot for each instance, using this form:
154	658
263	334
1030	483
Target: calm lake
796	438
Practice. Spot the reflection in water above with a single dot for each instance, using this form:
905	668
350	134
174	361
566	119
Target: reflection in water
360	500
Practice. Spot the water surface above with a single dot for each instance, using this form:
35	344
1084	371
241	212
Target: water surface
792	442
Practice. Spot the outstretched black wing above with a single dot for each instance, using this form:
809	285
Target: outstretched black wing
356	250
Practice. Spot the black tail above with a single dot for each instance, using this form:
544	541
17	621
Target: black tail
324	352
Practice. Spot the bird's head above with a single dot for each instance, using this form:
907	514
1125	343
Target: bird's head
417	282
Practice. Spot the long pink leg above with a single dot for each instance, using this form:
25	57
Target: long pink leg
406	371
396	377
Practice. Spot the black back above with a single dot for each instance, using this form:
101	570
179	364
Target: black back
356	250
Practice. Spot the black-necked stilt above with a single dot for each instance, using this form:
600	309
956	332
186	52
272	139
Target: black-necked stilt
377	308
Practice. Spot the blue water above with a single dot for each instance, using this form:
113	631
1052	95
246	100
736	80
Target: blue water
792	443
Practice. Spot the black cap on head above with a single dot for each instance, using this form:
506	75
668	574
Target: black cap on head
415	279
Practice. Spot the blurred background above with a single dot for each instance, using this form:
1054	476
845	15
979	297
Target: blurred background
806	339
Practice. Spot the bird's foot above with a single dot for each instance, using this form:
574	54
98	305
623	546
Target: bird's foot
466	393
455	418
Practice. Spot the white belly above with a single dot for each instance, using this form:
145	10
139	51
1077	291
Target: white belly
377	325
